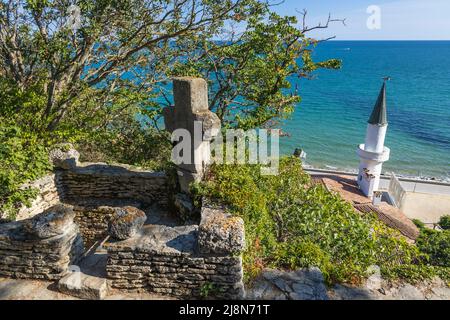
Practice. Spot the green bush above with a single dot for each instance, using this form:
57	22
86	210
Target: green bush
444	222
100	134
436	245
22	158
419	224
291	223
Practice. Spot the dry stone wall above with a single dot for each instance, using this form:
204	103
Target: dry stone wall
188	261
100	181
48	195
93	222
42	247
186	276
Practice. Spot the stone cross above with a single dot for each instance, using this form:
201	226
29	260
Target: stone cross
193	127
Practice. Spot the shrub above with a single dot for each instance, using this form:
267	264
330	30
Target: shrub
291	223
436	245
22	158
444	222
419	224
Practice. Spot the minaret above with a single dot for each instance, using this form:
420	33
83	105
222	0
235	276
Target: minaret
373	153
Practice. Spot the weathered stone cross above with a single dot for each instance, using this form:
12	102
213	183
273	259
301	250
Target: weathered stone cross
193	127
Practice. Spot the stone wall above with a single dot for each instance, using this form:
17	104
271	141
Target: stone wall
93	219
186	261
42	247
48	195
93	222
101	181
176	275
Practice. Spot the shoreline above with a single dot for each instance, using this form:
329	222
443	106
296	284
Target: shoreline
385	175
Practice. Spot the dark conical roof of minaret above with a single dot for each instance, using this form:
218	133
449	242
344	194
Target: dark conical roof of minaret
379	114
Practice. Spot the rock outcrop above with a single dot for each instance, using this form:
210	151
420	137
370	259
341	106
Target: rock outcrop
303	284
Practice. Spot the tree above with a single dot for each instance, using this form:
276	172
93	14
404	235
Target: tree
117	61
113	42
250	71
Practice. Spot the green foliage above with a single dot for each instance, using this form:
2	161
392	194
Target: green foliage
209	289
126	140
297	253
250	74
23	158
100	133
414	272
436	245
124	53
419	224
103	86
444	222
206	289
291	223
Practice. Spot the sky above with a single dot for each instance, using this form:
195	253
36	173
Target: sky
397	19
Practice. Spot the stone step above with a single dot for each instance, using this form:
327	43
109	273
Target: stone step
83	286
88	279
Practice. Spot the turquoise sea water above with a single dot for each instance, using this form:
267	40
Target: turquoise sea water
331	120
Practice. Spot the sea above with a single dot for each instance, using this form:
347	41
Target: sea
330	121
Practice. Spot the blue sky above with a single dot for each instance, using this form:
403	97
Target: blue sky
400	19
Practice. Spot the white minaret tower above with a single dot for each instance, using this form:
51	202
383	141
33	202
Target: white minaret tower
373	153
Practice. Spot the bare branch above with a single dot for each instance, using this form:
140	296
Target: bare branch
306	29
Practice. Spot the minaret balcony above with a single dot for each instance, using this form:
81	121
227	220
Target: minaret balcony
373	156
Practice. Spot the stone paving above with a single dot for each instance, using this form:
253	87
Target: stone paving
13	289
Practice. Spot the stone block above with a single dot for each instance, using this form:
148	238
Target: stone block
220	233
210	124
185	207
126	222
83	286
190	94
52	222
64	156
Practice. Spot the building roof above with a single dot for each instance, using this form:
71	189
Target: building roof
379	114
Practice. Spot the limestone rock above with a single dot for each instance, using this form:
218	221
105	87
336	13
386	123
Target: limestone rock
83	286
409	292
308	284
220	232
126	222
190	94
374	281
52	222
64	156
303	284
346	292
210	124
184	205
